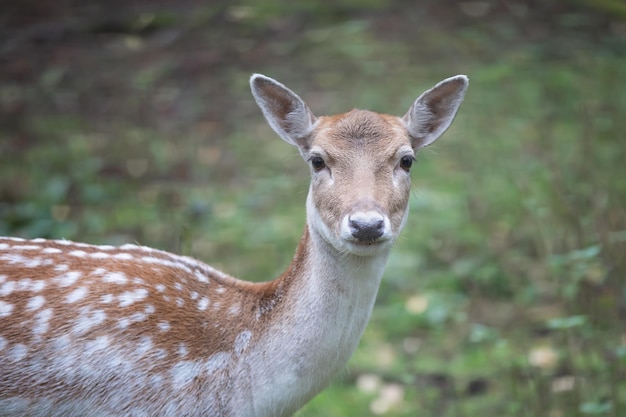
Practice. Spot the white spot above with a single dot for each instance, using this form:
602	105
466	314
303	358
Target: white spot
3	343
38	240
18	351
78	253
85	322
5	309
137	317
99	255
184	372
156	381
52	250
217	362
178	286
220	290
99	271
76	295
115	277
138	281
4	246
7	288
105	247
203	303
123	256
182	349
98	316
62	343
145	344
2	278
107	298
68	278
149	309
164	326
241	341
165	262
42	319
129	246
38	285
234	309
35	303
128	297
123	323
194	295
26	247
19	259
99	343
24	284
160	287
200	276
180	302
61	267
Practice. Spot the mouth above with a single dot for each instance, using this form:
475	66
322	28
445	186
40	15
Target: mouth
367	242
367	247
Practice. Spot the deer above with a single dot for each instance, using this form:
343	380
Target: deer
90	330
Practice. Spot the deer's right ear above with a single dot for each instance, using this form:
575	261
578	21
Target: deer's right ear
286	113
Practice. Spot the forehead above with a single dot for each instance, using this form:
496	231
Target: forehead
360	130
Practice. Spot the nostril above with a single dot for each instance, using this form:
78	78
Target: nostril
367	230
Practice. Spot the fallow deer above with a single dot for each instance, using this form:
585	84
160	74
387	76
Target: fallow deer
91	330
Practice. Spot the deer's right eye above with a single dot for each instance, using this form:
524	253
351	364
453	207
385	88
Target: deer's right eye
318	163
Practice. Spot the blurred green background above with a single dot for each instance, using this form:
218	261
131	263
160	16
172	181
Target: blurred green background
131	121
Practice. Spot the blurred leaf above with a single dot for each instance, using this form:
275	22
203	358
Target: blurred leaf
567	322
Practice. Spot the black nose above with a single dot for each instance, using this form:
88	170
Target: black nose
367	230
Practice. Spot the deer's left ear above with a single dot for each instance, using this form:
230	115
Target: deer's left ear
433	112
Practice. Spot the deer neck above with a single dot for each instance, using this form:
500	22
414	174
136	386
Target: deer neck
329	298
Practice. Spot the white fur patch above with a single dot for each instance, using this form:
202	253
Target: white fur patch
96	345
129	297
51	250
18	352
184	372
203	303
7	288
241	341
42	321
77	294
5	309
35	303
115	278
68	278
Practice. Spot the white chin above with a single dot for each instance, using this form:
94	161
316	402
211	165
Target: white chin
364	249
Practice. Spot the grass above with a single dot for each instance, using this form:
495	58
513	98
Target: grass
505	294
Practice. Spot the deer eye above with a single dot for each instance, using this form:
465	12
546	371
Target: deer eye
317	163
406	162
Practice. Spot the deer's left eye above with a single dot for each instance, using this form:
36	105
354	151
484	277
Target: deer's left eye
406	162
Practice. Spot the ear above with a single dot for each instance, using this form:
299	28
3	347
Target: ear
286	113
433	112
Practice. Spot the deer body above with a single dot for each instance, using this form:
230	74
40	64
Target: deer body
132	331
